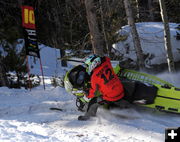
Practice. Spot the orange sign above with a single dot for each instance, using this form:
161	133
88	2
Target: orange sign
28	18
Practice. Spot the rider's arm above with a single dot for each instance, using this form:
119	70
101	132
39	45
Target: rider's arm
91	93
94	87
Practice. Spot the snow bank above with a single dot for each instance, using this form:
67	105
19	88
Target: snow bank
50	63
152	41
172	78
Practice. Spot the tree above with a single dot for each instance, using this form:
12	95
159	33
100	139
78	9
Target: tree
150	9
147	10
10	22
96	37
135	36
103	28
167	39
3	79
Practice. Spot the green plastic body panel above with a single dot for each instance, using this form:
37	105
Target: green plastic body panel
168	99
168	96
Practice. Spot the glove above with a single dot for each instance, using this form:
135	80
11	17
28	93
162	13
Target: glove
85	98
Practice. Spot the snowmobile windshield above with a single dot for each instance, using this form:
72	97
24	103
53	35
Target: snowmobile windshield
75	80
67	84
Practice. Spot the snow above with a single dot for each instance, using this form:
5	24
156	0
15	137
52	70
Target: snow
18	49
25	115
172	78
51	64
152	41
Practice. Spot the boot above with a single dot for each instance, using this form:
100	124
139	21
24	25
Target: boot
91	110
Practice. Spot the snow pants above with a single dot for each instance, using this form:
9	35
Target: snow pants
138	92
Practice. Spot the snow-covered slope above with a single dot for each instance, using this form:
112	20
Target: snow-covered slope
152	41
25	116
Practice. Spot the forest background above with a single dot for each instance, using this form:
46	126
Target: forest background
64	24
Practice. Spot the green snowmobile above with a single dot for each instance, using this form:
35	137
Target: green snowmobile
166	96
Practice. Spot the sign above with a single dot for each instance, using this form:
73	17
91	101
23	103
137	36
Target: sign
28	18
28	23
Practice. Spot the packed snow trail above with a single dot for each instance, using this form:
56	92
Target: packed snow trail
25	116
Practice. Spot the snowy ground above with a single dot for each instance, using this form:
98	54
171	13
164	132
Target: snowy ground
25	115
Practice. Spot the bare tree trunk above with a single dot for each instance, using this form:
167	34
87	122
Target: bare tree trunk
103	28
138	9
63	62
168	48
135	36
96	37
150	7
2	81
2	75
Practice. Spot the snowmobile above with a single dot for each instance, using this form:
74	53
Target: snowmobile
157	93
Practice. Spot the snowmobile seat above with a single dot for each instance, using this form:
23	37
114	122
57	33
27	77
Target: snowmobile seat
138	92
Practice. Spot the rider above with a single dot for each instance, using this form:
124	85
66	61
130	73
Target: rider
105	85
